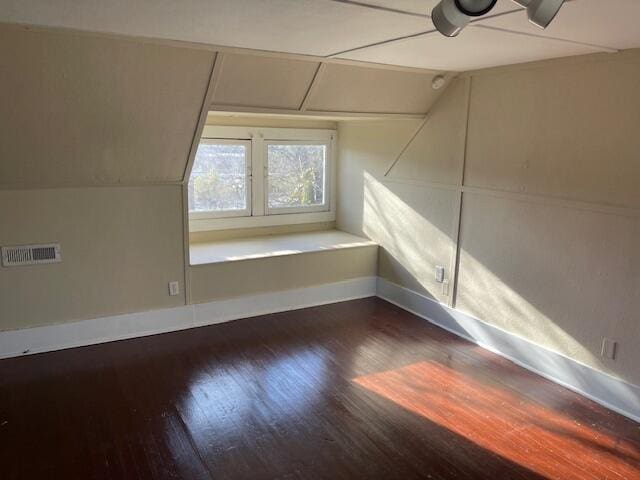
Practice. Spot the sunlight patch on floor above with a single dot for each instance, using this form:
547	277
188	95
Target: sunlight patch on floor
505	423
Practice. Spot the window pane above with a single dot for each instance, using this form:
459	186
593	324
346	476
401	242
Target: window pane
218	180
296	175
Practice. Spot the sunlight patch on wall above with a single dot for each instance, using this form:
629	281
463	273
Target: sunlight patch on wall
413	223
562	277
489	298
416	240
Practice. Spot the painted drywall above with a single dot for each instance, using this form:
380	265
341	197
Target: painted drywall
549	222
411	212
120	248
569	130
367	148
562	277
109	123
435	155
263	82
348	88
87	110
246	82
249	277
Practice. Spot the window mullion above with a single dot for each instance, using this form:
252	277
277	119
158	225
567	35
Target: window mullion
258	177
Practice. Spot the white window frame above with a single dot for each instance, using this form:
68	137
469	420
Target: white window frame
260	215
246	212
327	175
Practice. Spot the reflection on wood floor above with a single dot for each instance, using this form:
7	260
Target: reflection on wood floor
358	389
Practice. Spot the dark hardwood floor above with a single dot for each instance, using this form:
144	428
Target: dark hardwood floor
359	389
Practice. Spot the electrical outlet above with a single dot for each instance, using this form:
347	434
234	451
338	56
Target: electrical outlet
609	348
439	273
445	288
174	288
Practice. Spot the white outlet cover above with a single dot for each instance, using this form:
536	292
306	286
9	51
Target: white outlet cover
439	273
609	348
174	288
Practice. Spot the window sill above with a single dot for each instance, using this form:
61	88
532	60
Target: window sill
273	246
209	224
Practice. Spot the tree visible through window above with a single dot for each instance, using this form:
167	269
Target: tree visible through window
243	172
296	175
218	180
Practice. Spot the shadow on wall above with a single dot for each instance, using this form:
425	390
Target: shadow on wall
415	244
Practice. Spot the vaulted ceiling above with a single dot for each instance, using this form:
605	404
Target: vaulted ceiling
397	32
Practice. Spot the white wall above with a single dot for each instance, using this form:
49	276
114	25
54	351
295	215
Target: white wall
95	133
120	248
539	194
274	274
80	110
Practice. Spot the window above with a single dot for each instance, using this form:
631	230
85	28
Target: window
243	177
220	179
296	177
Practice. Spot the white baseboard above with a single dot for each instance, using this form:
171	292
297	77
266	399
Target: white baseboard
107	329
611	392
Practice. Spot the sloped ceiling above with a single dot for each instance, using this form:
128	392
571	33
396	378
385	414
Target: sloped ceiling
474	48
246	82
84	109
436	152
396	32
264	82
350	88
80	110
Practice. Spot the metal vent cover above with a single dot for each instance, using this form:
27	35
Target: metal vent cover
31	254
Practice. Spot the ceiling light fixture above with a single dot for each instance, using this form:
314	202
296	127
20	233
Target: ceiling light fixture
451	16
541	12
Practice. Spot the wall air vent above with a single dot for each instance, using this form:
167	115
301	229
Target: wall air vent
31	254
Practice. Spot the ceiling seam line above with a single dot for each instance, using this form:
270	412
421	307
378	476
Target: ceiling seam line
382	8
415	35
476	25
556	39
476	22
311	88
383	42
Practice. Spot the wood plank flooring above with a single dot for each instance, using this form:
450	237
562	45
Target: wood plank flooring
358	390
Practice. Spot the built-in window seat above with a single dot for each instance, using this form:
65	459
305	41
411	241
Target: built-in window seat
233	268
273	246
